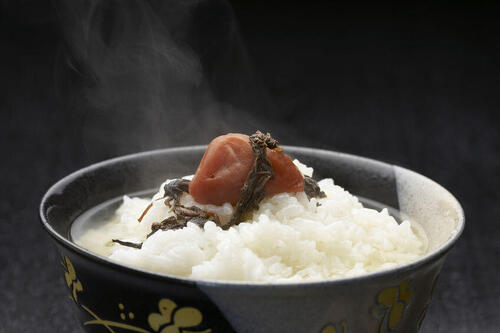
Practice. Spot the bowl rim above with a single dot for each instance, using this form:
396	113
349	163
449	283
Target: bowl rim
436	254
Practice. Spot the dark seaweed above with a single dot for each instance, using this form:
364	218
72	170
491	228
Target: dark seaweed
170	223
174	190
193	212
183	215
312	189
129	244
253	190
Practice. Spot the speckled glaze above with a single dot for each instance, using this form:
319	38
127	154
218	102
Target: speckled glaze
110	297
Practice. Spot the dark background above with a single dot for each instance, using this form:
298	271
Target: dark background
415	85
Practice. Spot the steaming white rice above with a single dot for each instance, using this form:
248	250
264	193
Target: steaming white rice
289	238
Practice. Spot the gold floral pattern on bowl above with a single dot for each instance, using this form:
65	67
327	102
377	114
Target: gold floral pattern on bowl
71	279
340	327
392	304
175	318
170	319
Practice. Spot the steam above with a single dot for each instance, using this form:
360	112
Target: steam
154	74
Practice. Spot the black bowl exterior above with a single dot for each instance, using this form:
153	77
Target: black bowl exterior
109	298
115	298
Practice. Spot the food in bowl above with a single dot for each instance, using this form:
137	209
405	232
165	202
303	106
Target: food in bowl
109	295
250	213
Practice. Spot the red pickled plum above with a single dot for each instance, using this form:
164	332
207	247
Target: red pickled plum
226	164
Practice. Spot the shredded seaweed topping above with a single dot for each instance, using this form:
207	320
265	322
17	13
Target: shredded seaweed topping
174	190
312	189
183	215
253	190
170	223
129	244
193	212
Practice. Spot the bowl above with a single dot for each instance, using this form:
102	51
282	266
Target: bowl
112	297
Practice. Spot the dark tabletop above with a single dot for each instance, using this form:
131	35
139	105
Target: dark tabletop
414	85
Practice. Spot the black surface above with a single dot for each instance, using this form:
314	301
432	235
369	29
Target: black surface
414	85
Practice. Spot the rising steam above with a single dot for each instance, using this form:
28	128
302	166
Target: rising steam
152	74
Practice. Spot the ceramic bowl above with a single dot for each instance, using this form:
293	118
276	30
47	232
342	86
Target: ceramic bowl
112	297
